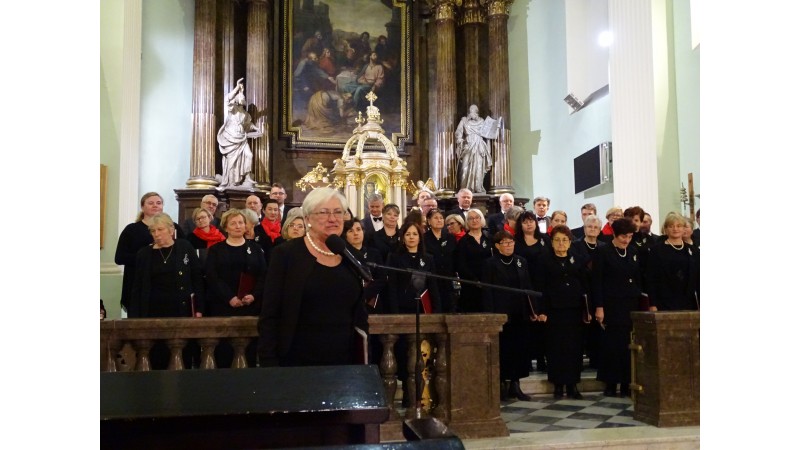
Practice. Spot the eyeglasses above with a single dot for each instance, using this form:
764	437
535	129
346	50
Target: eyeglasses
506	243
561	241
450	224
336	213
210	203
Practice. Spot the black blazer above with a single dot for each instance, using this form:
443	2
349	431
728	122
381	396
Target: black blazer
402	296
134	237
190	280
515	305
369	228
222	280
289	267
564	286
495	222
577	233
457	210
673	277
616	283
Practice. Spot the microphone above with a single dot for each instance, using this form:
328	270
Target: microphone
337	245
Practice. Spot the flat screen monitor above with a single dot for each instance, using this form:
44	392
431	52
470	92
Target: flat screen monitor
592	168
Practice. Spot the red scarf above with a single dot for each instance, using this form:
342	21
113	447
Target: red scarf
211	237
273	229
607	230
509	229
460	234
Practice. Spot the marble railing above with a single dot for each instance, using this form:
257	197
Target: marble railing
462	387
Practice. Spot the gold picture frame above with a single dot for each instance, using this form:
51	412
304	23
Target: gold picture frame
328	67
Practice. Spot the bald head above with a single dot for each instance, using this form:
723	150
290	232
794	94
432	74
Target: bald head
253	203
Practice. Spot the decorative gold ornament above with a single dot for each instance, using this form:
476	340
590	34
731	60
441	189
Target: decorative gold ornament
317	177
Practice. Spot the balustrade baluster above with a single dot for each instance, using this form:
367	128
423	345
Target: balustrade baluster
442	374
207	346
410	381
176	353
239	359
113	349
143	347
389	367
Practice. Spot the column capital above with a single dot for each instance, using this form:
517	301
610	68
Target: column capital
498	7
472	13
444	10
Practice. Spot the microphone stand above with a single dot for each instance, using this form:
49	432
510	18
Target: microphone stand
418	365
535	294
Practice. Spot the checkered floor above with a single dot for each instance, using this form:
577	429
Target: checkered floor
544	413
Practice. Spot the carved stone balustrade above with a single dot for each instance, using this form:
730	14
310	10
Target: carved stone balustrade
464	383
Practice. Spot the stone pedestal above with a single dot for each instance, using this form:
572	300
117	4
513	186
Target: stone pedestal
665	366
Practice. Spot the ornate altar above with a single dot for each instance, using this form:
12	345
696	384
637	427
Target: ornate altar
361	174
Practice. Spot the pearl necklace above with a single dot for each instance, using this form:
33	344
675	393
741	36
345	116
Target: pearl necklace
675	246
317	248
168	254
624	251
589	245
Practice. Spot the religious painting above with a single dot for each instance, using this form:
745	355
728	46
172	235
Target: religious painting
334	53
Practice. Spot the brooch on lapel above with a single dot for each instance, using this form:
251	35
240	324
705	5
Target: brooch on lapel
421	263
519	263
248	250
484	244
444	243
571	260
634	257
186	259
256	239
690	251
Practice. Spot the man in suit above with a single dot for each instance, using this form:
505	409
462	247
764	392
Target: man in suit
210	203
645	226
496	220
279	193
540	207
374	220
586	211
464	197
253	203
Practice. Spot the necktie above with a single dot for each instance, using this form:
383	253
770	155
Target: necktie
377	219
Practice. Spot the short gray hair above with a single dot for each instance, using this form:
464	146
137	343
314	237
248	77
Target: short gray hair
319	196
480	214
375	198
541	199
249	216
592	218
513	213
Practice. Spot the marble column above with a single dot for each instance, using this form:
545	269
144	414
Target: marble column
500	176
227	34
636	102
201	170
472	18
259	18
443	162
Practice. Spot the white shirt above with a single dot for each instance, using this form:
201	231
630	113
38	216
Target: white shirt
378	225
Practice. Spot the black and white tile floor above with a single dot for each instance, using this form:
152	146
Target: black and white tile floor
545	413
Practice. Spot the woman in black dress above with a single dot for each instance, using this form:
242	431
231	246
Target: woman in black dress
134	237
235	270
616	288
530	243
510	270
312	297
471	252
561	277
673	271
403	291
385	240
353	234
168	283
442	246
584	249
